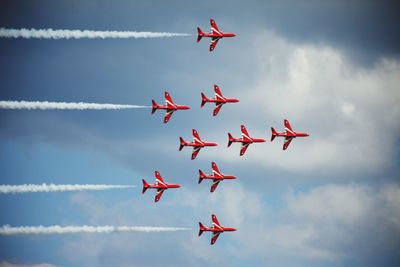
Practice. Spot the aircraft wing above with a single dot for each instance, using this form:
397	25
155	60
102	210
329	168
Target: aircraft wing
245	133
214	43
215	220
288	127
196	137
215	168
214	185
244	148
287	142
196	151
168	115
159	178
158	194
218	93
214	237
214	27
217	108
168	100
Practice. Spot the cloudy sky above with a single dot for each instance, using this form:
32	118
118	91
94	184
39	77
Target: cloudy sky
331	67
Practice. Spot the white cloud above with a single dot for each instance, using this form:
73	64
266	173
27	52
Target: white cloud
330	222
348	109
332	203
289	241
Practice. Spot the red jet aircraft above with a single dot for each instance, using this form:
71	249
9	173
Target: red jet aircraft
217	229
216	176
246	140
219	100
160	185
215	34
197	144
289	134
170	107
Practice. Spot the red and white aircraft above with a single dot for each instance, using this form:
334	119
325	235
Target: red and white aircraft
197	144
215	34
170	107
160	185
216	176
289	134
246	140
219	100
217	229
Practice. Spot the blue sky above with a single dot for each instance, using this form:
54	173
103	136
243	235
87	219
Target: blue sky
331	67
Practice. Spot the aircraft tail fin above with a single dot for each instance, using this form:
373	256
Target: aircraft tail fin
182	143
274	133
154	105
230	139
201	228
201	176
145	186
204	100
200	34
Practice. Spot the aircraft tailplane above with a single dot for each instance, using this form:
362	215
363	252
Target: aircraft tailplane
182	143
204	100
201	176
145	186
274	134
201	228
230	139
200	34
155	106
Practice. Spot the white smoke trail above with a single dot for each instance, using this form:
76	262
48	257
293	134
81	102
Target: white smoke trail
56	229
62	105
34	188
78	34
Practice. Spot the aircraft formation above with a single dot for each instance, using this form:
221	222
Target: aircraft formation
246	140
